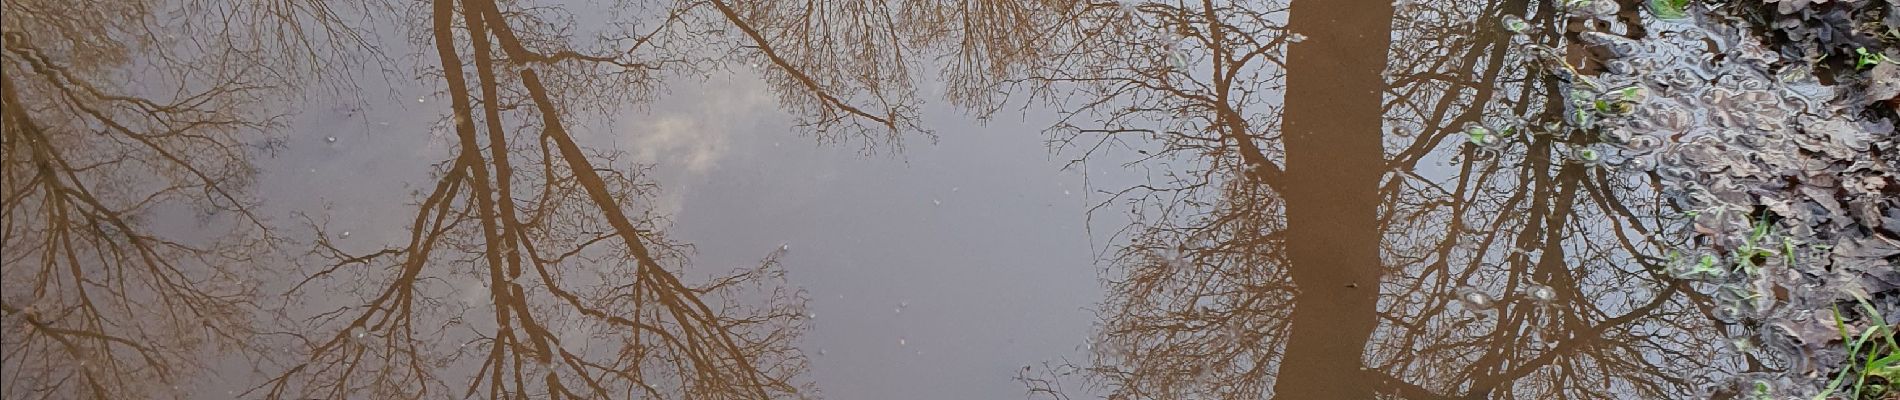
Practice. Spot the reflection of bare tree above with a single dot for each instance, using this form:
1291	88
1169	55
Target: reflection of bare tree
115	113
530	263
1213	284
1519	222
528	270
840	64
1198	308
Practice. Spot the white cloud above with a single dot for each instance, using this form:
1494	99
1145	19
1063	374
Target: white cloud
693	144
692	130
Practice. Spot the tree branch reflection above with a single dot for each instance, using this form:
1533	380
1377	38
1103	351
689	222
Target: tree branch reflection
528	238
1206	285
117	112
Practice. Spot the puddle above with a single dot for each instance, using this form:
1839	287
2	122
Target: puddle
1305	199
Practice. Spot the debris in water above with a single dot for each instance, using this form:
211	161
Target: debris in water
1670	9
1177	58
1591	8
1586	156
1515	24
1476	299
1778	181
1480	135
1540	294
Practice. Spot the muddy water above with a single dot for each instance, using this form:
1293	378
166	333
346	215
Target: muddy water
731	199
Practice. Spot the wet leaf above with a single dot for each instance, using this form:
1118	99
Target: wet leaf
1881	279
1814	334
1669	9
1884	82
1866	247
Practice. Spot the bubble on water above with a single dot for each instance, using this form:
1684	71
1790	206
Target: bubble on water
331	139
936	202
345	235
1474	298
421	100
1296	38
784	247
1065	192
903	342
811	315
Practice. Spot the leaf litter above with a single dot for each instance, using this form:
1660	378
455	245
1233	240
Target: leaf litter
1786	181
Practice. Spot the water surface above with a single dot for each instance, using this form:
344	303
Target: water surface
843	199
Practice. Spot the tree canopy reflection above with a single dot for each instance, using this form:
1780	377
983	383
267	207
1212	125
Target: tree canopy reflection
1311	210
1314	210
534	267
115	112
581	294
